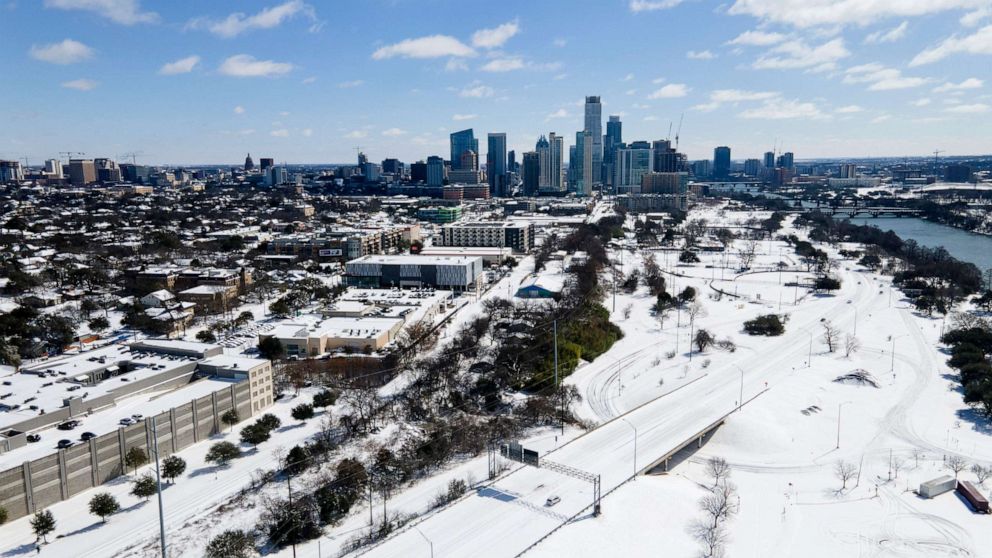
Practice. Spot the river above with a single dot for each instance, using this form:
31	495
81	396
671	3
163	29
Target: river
963	245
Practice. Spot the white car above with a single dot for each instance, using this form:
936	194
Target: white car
552	500
127	421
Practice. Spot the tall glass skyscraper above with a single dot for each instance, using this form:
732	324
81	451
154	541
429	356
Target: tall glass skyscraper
594	127
614	137
460	143
496	164
721	162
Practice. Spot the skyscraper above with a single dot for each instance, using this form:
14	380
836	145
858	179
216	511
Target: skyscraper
752	167
786	160
265	163
543	150
613	139
589	161
249	164
461	142
81	172
531	172
593	127
555	160
435	171
632	163
721	162
469	161
511	161
54	167
769	159
496	164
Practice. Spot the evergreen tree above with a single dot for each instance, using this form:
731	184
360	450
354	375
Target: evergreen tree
135	457
172	467
144	487
42	524
104	505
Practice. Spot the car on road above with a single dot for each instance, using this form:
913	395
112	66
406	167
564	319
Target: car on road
87	436
63	444
33	438
552	500
137	417
126	421
68	425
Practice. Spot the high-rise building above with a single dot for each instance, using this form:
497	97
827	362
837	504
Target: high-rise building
137	174
632	163
265	163
574	163
665	183
957	173
613	139
587	147
496	164
392	166
531	173
848	170
511	161
721	162
418	171
372	172
543	150
752	167
469	161
362	159
82	172
54	168
460	143
249	164
10	171
666	158
435	171
106	170
555	160
702	168
786	160
593	127
769	159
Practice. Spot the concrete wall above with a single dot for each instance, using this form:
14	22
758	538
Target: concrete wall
37	484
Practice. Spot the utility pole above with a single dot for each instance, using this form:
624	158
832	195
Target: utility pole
556	379
158	488
289	487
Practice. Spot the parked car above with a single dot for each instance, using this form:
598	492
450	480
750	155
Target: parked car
63	444
87	436
33	438
552	500
126	421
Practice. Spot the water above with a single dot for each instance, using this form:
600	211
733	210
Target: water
963	245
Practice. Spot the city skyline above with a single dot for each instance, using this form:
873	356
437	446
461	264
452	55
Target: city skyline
114	76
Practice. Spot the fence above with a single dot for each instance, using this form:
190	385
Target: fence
35	485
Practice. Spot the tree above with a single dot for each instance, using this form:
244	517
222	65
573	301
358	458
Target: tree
42	524
297	460
231	544
768	324
103	505
99	323
303	412
851	345
134	458
269	421
325	398
871	261
144	487
831	336
3	515
845	471
280	308
230	417
747	254
687	295
206	336
712	539
271	348
703	339
721	504
826	283
981	473
255	434
222	452
172	467
717	468
688	256
956	463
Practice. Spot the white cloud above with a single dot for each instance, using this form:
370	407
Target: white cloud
356	134
125	12
560	113
658	80
700	55
977	108
628	77
307	132
281	133
921	102
810	13
973	18
309	80
394	132
495	37
881	78
80	84
503	65
970	83
244	65
66	52
980	42
350	84
757	38
797	54
738	95
637	6
455	65
238	22
889	36
849	109
477	91
239	109
671	91
650	118
880	118
782	109
461	117
434	46
181	66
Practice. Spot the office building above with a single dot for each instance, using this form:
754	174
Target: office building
957	173
574	164
496	164
265	163
769	159
511	161
446	272
786	161
392	166
666	158
848	170
460	143
464	176
469	161
418	171
532	172
752	167
594	127
632	163
362	159
702	168
82	172
137	174
585	147
555	161
10	171
106	170
543	151
721	163
665	183
54	167
435	171
612	141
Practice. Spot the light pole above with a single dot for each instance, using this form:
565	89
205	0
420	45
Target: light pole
635	443
417	529
809	359
740	402
839	407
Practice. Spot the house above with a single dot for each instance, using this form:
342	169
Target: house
158	299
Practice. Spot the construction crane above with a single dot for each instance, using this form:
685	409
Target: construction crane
133	155
678	131
936	154
68	154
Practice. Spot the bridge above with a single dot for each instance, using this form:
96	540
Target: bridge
855	210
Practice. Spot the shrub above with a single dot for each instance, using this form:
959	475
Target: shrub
206	336
325	398
173	466
688	257
103	505
297	460
144	487
269	421
222	452
303	412
231	544
3	515
768	324
42	524
230	417
255	434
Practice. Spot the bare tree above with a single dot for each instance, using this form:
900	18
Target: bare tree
845	471
711	539
981	472
748	252
695	310
717	468
721	504
897	464
626	311
365	402
851	345
831	336
956	463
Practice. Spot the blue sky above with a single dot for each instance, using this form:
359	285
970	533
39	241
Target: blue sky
205	82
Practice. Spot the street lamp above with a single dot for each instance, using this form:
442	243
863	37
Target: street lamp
635	443
417	529
741	400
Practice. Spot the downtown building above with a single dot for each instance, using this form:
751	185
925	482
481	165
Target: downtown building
518	236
